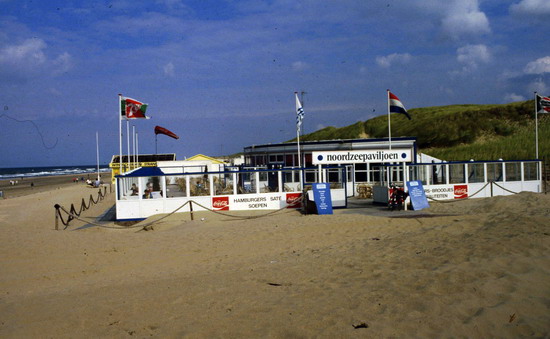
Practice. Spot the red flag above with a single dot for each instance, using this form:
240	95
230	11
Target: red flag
162	130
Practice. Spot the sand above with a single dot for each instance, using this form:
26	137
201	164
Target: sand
475	268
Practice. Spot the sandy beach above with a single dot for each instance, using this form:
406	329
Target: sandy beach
478	268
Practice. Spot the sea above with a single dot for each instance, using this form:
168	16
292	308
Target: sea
32	172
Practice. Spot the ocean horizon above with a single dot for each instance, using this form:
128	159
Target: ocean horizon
43	171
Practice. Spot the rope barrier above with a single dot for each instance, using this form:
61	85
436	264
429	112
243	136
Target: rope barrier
472	195
469	196
83	207
76	216
244	217
507	190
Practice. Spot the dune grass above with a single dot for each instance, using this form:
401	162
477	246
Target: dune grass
459	132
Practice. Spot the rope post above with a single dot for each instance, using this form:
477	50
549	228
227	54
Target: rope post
56	217
191	208
491	189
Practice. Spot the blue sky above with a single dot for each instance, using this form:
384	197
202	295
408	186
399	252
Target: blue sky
221	74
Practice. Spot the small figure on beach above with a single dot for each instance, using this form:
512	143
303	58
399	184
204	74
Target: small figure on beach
32	184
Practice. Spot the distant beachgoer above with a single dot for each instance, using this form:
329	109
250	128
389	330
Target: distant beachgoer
32	184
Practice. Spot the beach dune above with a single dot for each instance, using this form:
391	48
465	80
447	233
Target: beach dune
475	268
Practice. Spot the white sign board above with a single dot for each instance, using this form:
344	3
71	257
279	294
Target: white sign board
361	157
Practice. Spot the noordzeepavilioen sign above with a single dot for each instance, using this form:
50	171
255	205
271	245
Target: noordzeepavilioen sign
359	157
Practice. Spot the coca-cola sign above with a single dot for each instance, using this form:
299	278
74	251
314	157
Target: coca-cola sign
294	200
461	191
220	203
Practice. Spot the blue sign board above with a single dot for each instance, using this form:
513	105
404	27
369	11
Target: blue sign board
322	197
417	194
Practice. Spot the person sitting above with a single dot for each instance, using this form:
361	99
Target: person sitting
147	193
134	189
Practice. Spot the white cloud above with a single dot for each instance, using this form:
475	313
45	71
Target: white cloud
63	63
539	86
387	61
169	69
531	7
512	97
538	66
299	66
464	19
472	55
29	52
28	59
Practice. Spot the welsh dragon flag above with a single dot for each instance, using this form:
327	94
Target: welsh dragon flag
132	109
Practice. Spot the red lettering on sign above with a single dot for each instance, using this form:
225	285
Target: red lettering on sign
220	203
461	191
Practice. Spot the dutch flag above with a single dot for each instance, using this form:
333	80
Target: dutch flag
396	106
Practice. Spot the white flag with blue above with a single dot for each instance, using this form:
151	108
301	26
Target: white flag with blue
299	112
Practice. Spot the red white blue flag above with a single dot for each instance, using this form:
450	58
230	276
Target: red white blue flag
543	104
396	106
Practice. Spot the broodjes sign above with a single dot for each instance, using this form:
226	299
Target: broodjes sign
365	156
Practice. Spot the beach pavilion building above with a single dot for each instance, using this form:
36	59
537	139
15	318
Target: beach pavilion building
272	178
363	159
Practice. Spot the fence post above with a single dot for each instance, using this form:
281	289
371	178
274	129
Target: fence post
56	217
491	188
191	208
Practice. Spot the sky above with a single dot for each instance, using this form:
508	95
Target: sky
222	74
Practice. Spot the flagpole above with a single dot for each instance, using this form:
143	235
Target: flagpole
119	133
298	144
97	152
134	146
137	150
536	128
389	119
128	141
388	169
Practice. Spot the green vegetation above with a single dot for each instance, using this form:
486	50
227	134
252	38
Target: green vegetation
459	132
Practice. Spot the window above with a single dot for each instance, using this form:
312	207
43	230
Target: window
199	185
513	171
475	173
531	170
361	174
152	187
128	188
246	183
456	174
176	186
494	172
223	184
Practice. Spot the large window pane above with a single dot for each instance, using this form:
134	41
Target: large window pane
223	184
494	171
152	187
176	186
199	186
531	170
456	174
128	188
513	171
475	173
